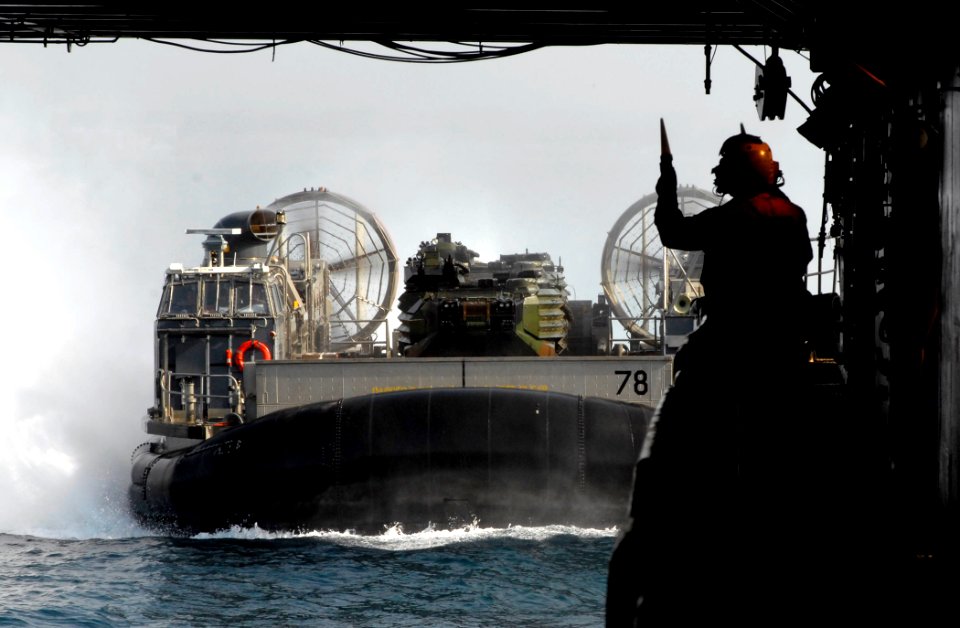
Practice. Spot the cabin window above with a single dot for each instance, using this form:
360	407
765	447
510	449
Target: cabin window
251	298
216	297
165	301
179	298
279	302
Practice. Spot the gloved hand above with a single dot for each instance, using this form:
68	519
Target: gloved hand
667	183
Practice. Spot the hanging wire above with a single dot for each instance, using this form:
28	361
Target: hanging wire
246	46
463	51
413	54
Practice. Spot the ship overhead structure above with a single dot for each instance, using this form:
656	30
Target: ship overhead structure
454	304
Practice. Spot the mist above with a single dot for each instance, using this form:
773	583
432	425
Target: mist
111	151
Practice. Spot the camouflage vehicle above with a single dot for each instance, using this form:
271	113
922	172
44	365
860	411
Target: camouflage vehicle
454	304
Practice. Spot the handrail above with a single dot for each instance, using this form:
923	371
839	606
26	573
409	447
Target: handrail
656	342
372	341
683	271
166	387
833	272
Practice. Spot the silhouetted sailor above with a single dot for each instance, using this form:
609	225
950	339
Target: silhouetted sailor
717	487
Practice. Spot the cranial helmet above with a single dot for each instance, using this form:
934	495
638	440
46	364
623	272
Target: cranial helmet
747	158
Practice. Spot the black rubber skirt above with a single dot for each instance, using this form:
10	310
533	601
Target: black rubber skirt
442	457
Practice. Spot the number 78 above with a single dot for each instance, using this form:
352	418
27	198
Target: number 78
639	381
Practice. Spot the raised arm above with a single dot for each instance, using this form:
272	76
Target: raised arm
676	231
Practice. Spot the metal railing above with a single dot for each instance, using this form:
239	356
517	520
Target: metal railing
372	343
819	275
652	344
190	399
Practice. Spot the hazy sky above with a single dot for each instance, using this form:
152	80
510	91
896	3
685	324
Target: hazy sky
108	153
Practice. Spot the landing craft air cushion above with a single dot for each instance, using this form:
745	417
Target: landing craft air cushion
281	402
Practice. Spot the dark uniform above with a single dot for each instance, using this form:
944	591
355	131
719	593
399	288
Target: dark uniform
717	494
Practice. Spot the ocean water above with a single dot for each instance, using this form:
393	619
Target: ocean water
72	555
476	576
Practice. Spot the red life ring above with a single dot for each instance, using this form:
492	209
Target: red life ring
250	344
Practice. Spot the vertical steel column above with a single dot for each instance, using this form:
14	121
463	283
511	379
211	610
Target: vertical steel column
949	445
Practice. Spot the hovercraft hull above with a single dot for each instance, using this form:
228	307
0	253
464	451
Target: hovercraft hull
443	457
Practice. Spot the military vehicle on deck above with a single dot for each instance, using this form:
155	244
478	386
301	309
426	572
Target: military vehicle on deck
454	304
